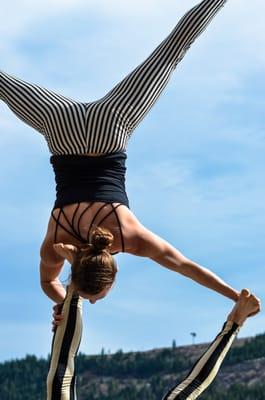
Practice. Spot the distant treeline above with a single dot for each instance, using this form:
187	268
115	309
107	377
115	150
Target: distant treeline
131	376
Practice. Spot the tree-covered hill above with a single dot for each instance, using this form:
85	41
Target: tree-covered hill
143	375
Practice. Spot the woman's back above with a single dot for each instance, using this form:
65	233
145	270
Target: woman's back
72	224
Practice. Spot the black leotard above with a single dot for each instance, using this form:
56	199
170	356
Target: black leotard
82	178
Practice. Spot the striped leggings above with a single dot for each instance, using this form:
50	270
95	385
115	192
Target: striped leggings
61	381
105	125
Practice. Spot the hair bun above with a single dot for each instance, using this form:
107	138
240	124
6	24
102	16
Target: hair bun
101	239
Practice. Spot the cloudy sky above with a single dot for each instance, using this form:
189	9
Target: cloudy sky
195	167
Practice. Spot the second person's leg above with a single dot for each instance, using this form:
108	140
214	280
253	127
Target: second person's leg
61	380
206	368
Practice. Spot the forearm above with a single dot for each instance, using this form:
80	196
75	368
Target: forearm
171	258
209	279
54	290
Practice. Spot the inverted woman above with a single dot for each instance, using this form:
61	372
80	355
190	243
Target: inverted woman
61	382
88	144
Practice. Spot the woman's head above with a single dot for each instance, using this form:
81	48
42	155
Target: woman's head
93	267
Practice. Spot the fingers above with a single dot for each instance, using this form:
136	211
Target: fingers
55	324
258	301
58	308
258	307
57	320
57	317
253	313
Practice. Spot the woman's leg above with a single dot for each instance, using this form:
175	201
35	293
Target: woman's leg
59	118
24	99
105	125
206	368
133	97
61	380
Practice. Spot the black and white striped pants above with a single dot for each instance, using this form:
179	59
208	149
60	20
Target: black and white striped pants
61	382
105	125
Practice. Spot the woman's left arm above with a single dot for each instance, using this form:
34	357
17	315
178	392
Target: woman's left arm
152	246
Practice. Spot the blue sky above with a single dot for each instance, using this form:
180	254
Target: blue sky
195	167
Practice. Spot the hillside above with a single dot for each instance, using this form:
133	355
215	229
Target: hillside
143	375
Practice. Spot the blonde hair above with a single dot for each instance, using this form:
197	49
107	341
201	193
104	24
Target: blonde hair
94	268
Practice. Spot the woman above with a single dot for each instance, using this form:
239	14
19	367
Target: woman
61	378
91	219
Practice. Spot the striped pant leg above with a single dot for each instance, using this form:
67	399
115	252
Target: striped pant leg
206	368
137	92
61	380
24	99
58	118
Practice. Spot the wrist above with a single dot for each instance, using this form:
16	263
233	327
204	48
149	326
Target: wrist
235	295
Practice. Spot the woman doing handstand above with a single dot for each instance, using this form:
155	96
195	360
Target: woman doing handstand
91	219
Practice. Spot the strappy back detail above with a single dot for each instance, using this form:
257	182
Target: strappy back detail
73	227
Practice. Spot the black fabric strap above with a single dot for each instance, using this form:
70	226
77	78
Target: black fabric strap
58	223
92	222
80	217
74	214
75	233
115	212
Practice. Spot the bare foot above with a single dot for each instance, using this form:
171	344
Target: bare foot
246	306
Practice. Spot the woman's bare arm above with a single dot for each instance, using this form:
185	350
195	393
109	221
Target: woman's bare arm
50	282
152	246
51	265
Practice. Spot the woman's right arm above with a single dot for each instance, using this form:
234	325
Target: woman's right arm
51	265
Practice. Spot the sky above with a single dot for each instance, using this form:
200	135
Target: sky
195	168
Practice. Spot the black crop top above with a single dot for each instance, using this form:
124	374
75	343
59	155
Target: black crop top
90	178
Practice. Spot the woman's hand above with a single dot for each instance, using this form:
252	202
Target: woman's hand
57	317
66	251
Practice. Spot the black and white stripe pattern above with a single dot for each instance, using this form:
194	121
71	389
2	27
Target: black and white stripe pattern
206	368
105	125
61	378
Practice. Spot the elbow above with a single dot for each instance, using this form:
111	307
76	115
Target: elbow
43	286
